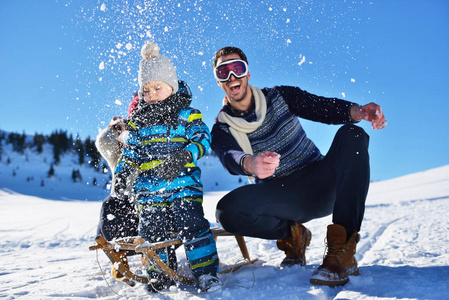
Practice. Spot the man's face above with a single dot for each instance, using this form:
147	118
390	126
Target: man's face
236	89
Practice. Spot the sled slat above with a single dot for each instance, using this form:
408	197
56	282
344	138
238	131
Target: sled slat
117	260
158	245
163	267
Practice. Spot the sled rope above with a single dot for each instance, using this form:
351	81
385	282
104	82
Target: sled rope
238	285
102	274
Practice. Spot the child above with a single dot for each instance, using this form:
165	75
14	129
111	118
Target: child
166	137
119	218
109	143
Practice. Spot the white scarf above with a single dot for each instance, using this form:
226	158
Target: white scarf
240	127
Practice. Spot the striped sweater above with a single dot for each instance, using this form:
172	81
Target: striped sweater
281	131
147	147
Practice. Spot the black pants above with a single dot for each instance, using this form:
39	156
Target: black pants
337	184
118	218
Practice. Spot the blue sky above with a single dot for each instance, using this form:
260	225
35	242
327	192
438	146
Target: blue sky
394	53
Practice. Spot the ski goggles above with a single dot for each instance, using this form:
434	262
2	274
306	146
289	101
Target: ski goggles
236	67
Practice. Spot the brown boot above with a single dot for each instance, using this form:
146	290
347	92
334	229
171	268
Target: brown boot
339	262
295	245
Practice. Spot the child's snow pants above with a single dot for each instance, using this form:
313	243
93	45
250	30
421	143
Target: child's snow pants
184	217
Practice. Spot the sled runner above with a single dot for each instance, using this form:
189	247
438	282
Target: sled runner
139	245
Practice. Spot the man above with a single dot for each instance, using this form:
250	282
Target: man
258	134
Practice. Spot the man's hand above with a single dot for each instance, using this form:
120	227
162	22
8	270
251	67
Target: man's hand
370	112
262	165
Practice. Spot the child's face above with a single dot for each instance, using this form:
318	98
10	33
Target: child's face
155	91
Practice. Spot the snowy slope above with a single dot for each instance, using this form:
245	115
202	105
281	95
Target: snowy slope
403	253
27	174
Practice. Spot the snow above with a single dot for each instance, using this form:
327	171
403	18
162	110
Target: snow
44	243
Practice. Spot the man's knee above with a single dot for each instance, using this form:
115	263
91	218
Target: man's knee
351	134
223	215
228	214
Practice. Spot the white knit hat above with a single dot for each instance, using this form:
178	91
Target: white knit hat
156	67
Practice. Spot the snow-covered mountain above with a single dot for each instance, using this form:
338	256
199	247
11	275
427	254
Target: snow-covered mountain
403	252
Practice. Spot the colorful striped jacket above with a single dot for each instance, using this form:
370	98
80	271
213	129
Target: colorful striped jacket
147	147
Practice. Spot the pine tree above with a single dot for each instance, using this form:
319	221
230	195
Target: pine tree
70	142
63	140
76	176
17	141
39	141
79	147
61	144
22	141
73	175
51	172
92	152
57	153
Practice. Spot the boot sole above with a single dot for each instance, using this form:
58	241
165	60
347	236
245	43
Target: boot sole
329	283
333	283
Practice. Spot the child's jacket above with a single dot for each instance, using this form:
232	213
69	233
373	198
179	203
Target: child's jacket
148	146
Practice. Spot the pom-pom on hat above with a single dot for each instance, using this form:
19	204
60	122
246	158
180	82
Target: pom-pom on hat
156	67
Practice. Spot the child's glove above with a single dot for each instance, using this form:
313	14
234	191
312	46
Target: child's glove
171	167
118	124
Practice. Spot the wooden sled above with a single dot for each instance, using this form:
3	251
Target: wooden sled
138	245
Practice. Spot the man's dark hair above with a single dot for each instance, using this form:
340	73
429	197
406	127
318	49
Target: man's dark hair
228	51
